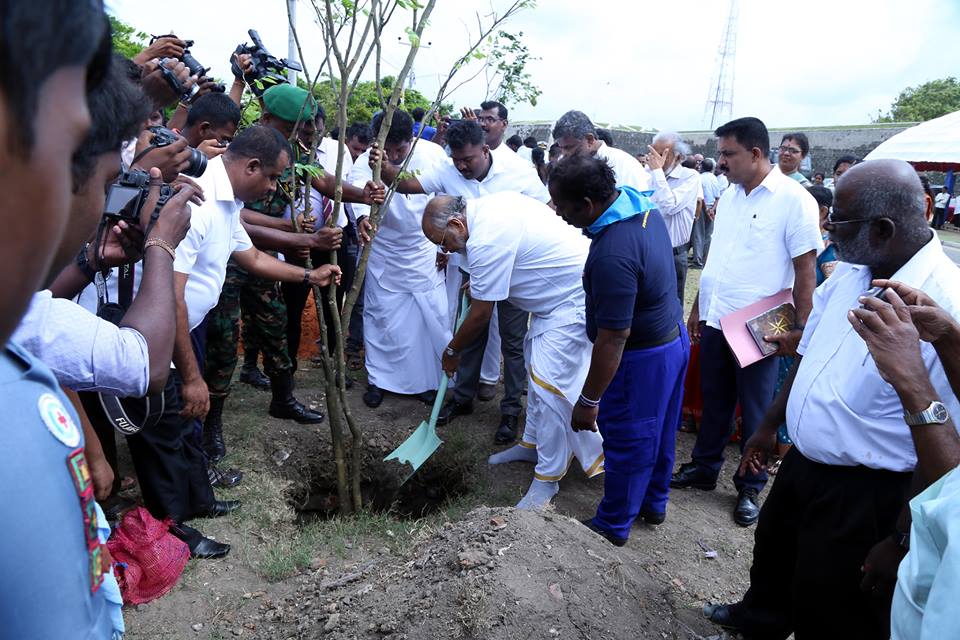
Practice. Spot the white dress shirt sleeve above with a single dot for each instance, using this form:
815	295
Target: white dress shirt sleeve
189	248
803	229
678	199
241	241
85	353
432	179
820	296
534	187
491	263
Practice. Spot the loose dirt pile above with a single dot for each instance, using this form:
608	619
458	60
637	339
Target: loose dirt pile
497	574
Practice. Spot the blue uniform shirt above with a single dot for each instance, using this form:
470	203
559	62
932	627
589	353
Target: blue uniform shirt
45	564
629	277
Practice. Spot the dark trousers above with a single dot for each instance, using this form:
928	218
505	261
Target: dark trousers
513	330
168	457
700	238
638	418
295	295
723	383
680	263
939	217
816	527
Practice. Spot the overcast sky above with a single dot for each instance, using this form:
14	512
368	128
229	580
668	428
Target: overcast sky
808	63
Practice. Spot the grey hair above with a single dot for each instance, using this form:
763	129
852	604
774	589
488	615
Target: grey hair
573	124
446	209
673	139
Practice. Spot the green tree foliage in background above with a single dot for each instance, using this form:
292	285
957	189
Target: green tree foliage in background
508	80
924	102
364	102
127	41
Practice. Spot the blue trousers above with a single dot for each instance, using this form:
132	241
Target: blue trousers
723	384
638	418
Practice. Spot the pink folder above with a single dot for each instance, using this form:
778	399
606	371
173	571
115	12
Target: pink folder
734	327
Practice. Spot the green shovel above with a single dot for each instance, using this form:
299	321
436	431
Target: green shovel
421	444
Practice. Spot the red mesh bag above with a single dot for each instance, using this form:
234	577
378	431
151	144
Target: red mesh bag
153	557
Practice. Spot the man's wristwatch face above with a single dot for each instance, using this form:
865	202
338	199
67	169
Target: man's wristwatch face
936	413
450	352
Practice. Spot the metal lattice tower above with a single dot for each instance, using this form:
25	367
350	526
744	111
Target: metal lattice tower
720	98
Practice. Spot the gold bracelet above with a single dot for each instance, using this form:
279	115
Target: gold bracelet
163	244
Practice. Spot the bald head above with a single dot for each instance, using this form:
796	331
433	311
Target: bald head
884	188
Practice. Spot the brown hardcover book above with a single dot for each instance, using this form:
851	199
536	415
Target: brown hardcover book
774	322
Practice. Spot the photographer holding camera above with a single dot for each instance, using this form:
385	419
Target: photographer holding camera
211	124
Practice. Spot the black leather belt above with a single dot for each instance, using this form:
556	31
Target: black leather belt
682	249
636	344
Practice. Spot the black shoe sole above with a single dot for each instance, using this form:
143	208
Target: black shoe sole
744	523
373	401
702	486
653	519
298	419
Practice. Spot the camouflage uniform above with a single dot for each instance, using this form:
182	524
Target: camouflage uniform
264	314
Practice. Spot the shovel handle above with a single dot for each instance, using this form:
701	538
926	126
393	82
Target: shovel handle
444	379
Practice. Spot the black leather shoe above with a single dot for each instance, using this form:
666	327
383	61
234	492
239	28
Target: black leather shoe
507	431
222	508
373	396
296	412
690	476
720	614
427	397
486	392
612	539
200	546
652	518
213	443
452	409
223	478
747	510
255	378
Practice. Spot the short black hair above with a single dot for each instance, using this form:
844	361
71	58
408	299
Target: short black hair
819	173
321	114
417	114
537	155
604	134
401	127
465	132
800	139
707	165
216	108
821	194
118	108
845	159
261	143
582	176
749	132
361	131
37	39
515	140
493	104
530	142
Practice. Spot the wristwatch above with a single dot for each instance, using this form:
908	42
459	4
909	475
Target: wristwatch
450	352
936	413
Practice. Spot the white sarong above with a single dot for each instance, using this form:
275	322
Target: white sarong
404	337
558	359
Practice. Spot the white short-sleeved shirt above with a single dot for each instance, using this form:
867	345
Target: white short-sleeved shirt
755	239
519	250
676	198
85	353
711	187
402	259
507	173
626	169
840	411
215	233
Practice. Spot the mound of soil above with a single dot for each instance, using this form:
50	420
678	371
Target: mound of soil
497	574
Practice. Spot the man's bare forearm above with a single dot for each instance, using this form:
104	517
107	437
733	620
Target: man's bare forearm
276	240
153	314
604	361
948	349
804	282
476	322
183	356
250	218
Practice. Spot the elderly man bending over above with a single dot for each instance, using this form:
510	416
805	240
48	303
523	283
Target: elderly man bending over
517	249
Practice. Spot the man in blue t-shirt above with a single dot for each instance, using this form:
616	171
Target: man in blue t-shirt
634	390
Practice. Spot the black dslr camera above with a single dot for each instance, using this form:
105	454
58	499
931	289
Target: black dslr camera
163	137
126	196
192	64
267	69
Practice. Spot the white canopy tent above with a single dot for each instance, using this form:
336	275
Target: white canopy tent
930	146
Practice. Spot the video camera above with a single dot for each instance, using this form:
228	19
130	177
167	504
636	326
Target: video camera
267	69
126	196
192	64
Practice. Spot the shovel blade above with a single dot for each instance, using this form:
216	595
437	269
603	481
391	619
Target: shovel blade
417	448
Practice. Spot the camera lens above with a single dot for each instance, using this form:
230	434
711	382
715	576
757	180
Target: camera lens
191	63
198	164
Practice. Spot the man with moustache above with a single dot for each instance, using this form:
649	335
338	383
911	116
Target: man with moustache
833	529
766	239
